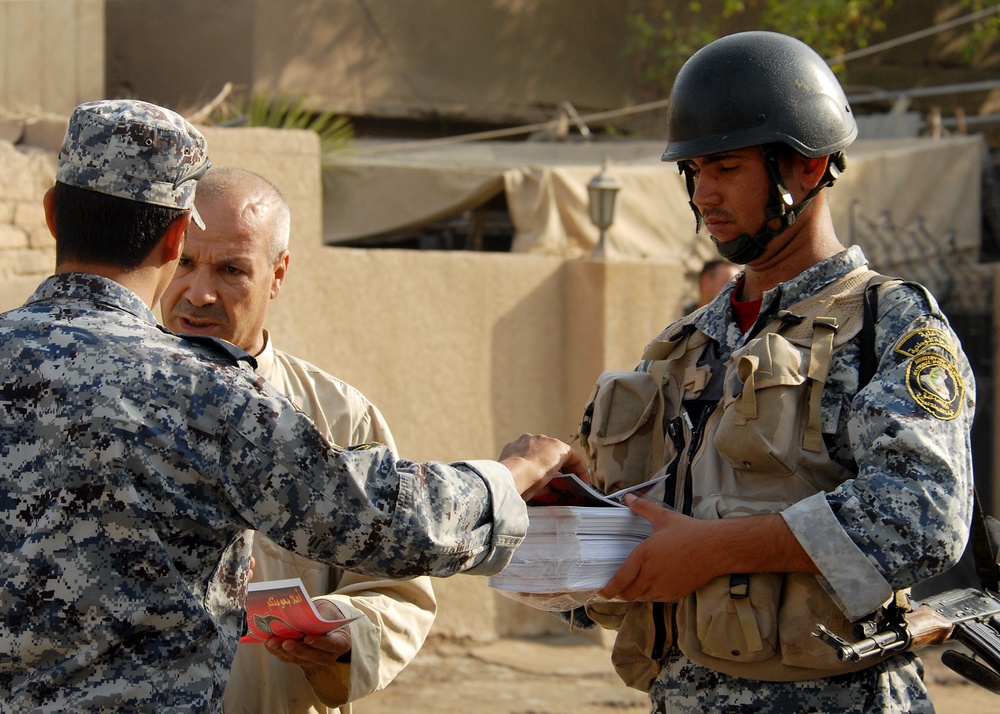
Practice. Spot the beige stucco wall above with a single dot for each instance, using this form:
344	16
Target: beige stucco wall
503	61
461	351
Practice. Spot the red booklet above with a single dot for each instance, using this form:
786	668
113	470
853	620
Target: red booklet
282	609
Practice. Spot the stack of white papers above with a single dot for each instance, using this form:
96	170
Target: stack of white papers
572	548
571	551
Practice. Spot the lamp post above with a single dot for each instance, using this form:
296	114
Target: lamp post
603	200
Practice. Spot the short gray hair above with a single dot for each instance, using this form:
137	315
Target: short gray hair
221	182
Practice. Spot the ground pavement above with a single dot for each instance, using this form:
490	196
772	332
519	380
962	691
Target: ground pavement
569	674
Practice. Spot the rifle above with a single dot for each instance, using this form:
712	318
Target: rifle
968	616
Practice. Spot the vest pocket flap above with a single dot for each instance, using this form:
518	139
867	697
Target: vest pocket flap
732	618
623	403
769	361
804	605
764	410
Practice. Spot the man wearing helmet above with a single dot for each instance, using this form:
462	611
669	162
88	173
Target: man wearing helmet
817	462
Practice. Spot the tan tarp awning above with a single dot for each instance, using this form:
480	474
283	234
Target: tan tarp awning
379	189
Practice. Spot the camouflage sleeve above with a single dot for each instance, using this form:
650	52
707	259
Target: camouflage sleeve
362	508
905	516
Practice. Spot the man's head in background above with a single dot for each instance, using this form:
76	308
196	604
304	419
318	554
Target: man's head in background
713	277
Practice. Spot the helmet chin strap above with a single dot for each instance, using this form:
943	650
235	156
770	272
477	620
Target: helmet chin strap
746	248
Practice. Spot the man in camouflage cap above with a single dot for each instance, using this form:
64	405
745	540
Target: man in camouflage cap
133	461
816	459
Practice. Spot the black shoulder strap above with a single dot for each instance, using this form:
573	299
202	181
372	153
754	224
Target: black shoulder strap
869	360
984	539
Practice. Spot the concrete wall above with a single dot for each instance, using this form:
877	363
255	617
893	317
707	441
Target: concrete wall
51	54
500	60
504	61
179	53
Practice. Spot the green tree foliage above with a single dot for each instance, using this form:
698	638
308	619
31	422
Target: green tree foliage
667	32
669	36
982	31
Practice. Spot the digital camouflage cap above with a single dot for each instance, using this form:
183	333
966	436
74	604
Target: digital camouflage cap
135	150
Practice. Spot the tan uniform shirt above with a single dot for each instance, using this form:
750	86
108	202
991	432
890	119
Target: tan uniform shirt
395	615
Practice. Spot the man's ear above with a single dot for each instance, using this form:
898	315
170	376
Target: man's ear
49	204
278	279
173	238
813	171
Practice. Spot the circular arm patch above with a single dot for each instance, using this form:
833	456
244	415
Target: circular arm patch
935	383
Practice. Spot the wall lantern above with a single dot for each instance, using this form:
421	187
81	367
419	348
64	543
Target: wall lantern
603	195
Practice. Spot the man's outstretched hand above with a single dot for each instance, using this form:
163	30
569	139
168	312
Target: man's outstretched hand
533	459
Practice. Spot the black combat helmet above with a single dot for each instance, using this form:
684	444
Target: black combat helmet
759	89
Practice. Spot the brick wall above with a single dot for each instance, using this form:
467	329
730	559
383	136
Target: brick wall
27	250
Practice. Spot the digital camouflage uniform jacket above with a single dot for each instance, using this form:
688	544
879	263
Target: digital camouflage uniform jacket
131	464
902	518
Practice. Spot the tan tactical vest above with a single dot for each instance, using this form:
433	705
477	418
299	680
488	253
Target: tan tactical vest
761	451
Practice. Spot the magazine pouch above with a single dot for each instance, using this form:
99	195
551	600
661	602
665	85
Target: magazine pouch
619	435
804	605
734	618
732	625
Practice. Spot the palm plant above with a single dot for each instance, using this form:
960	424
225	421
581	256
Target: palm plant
281	111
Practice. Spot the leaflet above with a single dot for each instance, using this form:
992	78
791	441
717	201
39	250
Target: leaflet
282	609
